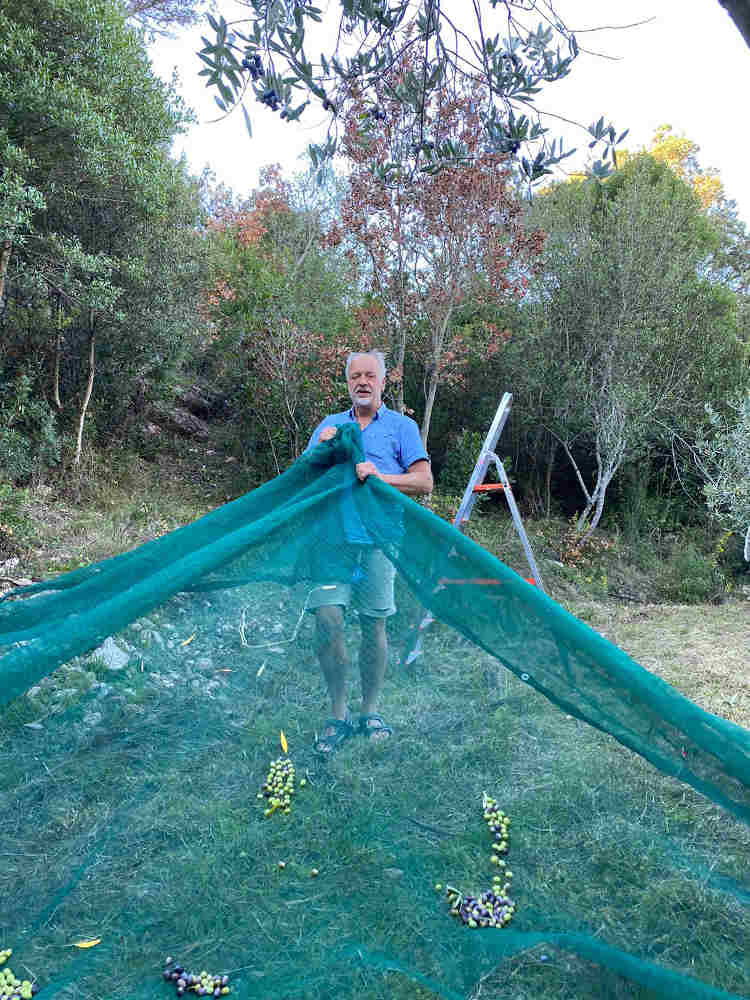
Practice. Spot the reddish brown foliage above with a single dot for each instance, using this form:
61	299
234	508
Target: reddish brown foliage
432	239
249	223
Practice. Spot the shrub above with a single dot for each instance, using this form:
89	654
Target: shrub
725	463
29	440
690	577
13	518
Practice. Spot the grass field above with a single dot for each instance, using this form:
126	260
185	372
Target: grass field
702	650
130	813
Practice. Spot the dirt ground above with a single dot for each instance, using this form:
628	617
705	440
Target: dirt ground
702	650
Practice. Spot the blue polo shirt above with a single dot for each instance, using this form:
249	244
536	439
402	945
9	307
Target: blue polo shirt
391	440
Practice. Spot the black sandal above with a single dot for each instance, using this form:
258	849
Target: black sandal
374	727
335	733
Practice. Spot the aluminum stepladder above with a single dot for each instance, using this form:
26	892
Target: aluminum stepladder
475	486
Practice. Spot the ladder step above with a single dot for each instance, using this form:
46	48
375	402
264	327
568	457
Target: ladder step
487	487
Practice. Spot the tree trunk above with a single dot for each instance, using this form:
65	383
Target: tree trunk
58	345
429	403
601	491
438	340
86	400
5	248
400	358
548	477
272	446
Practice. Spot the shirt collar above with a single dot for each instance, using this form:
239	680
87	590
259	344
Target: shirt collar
375	416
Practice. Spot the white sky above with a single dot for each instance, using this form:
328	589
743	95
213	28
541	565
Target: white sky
688	67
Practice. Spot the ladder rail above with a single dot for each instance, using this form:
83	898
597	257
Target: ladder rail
518	523
486	455
480	468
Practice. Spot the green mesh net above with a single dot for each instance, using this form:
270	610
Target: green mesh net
143	701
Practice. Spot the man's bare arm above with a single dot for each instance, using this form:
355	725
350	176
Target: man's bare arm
416	481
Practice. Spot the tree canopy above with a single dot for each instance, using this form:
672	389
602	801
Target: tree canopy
93	201
512	48
161	17
724	459
277	300
428	241
627	333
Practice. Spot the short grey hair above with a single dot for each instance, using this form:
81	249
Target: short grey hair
378	355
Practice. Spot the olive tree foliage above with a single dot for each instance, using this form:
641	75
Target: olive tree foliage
162	17
626	335
723	455
512	48
90	199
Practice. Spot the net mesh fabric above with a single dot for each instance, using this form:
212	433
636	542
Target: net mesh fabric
129	795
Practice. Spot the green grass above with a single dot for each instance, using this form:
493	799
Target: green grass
135	818
113	503
130	813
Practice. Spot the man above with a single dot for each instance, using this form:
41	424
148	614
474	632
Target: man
394	453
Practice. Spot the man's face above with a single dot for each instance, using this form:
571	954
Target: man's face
365	383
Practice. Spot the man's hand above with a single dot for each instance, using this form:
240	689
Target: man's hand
326	434
365	469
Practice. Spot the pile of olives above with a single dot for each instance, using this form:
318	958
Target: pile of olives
493	907
203	984
278	787
489	909
12	988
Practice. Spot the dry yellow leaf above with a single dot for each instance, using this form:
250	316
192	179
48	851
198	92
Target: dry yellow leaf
282	740
189	639
86	944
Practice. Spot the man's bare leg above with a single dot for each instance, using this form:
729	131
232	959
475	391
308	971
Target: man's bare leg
333	655
373	656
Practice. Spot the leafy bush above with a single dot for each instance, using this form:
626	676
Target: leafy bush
691	577
581	552
29	440
725	463
648	510
13	518
443	504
